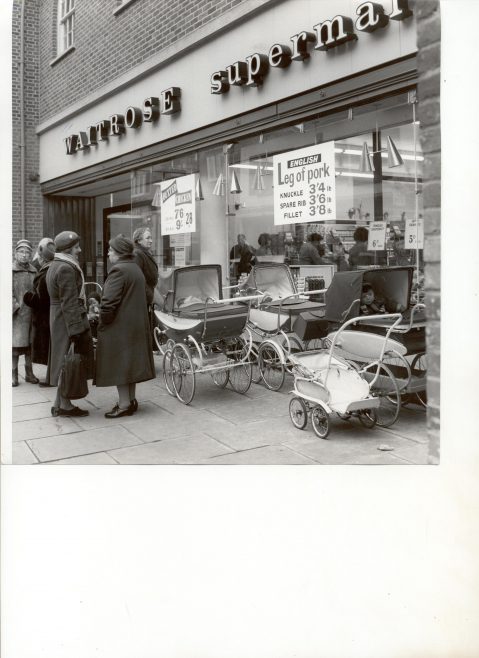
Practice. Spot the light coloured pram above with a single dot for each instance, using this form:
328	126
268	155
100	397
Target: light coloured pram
325	383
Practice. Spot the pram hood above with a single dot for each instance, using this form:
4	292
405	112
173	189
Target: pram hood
391	285
194	282
273	279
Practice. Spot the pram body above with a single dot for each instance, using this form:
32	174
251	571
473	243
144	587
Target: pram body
325	382
200	332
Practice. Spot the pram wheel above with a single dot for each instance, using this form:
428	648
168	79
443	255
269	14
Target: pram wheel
220	378
387	390
419	369
298	413
320	421
240	374
270	359
368	417
183	373
168	373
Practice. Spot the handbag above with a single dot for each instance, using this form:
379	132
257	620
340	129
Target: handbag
73	376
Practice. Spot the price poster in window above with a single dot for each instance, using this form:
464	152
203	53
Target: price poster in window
178	205
377	236
414	234
304	185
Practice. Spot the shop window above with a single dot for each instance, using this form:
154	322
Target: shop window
66	26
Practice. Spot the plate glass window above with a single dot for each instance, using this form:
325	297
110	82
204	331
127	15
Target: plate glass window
66	24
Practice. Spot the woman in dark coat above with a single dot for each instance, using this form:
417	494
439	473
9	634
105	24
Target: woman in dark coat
38	300
124	353
68	316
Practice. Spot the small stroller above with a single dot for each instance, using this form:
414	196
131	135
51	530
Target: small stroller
200	332
325	383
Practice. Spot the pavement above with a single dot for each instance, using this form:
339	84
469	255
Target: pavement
220	426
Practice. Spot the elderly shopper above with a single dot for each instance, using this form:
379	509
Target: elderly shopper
145	260
124	353
68	316
23	274
38	300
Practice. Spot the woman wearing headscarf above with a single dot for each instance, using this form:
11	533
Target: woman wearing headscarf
123	353
38	300
23	274
68	316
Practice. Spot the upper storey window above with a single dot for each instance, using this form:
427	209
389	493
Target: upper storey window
66	25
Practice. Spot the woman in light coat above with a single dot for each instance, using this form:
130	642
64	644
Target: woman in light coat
123	354
23	274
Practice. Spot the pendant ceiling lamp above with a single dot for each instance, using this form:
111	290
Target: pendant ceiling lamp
199	190
157	197
219	189
366	163
394	158
235	186
258	182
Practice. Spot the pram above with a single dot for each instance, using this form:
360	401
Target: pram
403	363
200	332
285	321
324	382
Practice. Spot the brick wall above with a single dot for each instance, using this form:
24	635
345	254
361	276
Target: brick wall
33	198
429	36
107	45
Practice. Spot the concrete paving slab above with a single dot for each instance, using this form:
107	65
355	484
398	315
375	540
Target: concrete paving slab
255	434
21	454
185	450
237	409
35	429
267	455
102	439
148	413
97	458
412	424
31	395
349	445
187	422
32	411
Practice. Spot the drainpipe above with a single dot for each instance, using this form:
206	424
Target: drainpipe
22	120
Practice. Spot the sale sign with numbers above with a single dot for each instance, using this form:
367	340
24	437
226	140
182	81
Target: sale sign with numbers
414	234
377	236
304	185
178	205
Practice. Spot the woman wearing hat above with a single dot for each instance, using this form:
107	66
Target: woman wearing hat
22	281
68	316
38	300
124	353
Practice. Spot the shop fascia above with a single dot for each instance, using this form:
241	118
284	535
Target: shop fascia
117	124
328	34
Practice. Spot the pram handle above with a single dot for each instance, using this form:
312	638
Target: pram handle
397	317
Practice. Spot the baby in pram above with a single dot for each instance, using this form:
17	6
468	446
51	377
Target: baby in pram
370	305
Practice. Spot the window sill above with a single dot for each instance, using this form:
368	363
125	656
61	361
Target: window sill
123	6
62	55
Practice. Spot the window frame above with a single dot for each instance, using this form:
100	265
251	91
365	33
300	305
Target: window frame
65	26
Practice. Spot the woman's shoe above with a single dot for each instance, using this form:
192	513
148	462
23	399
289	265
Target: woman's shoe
116	412
133	405
15	377
75	411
